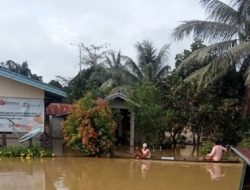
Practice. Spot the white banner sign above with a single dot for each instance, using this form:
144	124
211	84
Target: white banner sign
21	115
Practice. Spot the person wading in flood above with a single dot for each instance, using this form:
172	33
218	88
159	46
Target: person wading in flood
144	152
216	152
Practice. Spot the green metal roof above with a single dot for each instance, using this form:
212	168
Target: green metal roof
31	82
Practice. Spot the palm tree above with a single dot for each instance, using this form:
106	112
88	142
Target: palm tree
118	73
228	28
150	63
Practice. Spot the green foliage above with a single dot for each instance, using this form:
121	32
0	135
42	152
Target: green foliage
231	50
197	44
212	111
206	147
55	83
149	116
89	79
22	69
151	63
90	127
23	152
245	143
119	75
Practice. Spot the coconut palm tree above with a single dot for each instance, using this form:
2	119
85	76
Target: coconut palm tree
227	28
118	73
151	65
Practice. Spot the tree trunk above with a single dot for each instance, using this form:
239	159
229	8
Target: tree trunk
246	102
194	142
245	72
198	140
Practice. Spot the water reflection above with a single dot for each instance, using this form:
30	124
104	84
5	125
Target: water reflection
107	174
215	171
145	166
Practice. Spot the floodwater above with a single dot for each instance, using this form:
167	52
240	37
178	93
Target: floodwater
78	173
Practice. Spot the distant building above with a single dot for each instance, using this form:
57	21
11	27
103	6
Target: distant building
22	104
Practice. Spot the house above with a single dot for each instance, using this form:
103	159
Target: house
22	104
125	133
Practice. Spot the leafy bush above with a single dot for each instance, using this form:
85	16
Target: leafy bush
245	143
90	127
206	147
18	151
149	115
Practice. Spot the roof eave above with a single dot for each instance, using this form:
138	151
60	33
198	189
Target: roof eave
25	80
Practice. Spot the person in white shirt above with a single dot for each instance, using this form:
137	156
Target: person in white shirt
144	153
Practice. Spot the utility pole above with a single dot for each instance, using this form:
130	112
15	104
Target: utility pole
80	58
79	46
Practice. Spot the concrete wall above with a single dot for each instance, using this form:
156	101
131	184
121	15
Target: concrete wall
11	88
55	127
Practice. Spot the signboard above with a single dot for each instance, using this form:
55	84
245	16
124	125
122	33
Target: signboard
21	115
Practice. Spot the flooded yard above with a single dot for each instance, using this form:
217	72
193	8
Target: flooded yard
73	173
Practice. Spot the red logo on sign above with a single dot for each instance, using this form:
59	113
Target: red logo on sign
2	102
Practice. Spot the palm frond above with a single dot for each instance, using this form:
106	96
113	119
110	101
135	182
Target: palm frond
211	72
107	84
220	11
131	65
162	56
163	71
205	30
242	6
108	61
237	52
203	55
130	77
118	59
221	65
146	54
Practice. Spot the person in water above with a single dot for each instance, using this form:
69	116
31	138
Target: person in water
216	153
144	152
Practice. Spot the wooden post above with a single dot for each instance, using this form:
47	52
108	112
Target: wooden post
4	140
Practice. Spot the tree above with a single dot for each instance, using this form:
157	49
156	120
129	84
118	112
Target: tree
118	73
92	77
197	44
90	127
149	115
22	69
55	83
151	64
211	112
94	54
228	26
89	79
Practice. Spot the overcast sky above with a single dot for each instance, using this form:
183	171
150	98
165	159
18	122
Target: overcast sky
41	31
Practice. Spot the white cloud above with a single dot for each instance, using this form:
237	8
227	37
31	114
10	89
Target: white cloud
41	31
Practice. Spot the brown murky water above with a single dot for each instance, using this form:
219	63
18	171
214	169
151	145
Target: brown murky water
115	174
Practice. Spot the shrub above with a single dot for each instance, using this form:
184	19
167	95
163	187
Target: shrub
206	147
23	152
245	143
90	127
